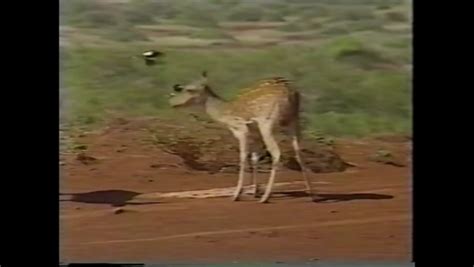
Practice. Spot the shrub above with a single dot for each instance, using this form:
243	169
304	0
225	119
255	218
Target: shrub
354	13
124	33
314	11
245	13
383	6
396	16
196	18
137	16
273	16
292	27
352	51
90	14
339	29
365	25
211	34
94	19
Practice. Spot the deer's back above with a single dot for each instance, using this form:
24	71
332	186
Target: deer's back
263	98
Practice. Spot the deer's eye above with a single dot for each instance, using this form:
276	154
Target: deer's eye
177	88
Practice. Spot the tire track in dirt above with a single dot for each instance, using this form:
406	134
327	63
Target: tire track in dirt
399	217
102	212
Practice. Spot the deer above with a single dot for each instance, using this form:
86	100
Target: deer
269	103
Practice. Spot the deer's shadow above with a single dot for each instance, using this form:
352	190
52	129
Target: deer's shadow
336	197
119	198
115	198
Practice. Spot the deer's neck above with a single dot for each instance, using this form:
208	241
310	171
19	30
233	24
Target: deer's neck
215	107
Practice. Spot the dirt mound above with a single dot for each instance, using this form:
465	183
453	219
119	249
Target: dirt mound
209	147
394	138
212	156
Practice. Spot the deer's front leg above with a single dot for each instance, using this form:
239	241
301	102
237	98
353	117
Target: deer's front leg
241	135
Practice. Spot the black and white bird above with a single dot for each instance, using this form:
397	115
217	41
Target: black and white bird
150	56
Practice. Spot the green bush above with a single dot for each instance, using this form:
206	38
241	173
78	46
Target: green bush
211	34
137	17
77	7
363	58
356	124
281	8
396	16
383	6
314	11
354	13
197	16
89	14
353	51
292	27
400	42
245	13
334	30
123	32
301	25
164	9
94	19
273	16
365	25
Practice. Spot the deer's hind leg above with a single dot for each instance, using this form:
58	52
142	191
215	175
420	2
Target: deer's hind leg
304	170
241	134
266	130
254	158
295	133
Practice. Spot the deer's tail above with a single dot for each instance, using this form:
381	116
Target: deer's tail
291	118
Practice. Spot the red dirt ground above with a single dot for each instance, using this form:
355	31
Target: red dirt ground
369	217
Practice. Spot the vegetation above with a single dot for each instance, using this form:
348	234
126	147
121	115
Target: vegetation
211	34
350	70
246	13
396	16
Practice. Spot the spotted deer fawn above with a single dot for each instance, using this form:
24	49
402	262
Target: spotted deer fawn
268	103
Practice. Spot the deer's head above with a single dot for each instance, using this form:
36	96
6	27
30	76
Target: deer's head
192	94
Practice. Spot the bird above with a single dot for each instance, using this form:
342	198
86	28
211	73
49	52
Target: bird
150	56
